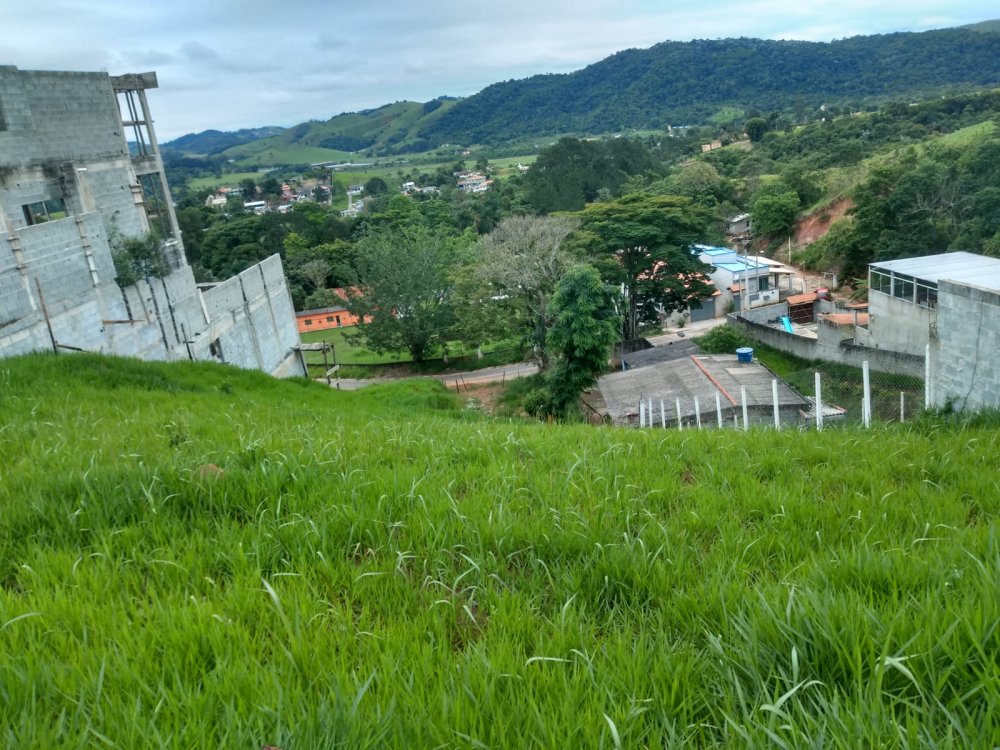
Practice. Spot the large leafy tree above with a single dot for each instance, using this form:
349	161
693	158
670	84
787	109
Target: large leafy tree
521	261
773	209
642	244
402	295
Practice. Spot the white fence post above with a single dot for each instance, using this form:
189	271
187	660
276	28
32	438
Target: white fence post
663	416
649	412
718	408
680	423
642	413
819	402
743	398
866	399
697	412
777	411
927	377
902	406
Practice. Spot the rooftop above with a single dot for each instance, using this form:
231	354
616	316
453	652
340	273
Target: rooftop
699	376
970	268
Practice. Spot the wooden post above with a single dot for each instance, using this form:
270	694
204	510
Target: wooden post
45	312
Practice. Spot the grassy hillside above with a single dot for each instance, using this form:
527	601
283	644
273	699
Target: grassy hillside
391	129
384	569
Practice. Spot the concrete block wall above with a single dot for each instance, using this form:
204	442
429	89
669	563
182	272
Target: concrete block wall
252	317
897	324
58	116
829	346
965	357
765	314
61	137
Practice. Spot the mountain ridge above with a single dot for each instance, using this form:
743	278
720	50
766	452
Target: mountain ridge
670	83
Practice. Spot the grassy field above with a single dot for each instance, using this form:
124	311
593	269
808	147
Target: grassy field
230	179
196	556
357	359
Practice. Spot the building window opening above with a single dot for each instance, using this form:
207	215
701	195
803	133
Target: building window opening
903	288
329	318
155	204
132	118
43	211
880	282
309	321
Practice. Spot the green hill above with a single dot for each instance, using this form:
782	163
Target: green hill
388	130
209	142
686	83
195	556
672	83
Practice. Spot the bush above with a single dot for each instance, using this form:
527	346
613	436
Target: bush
722	340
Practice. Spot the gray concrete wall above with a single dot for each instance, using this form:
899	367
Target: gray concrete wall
61	138
831	346
897	324
965	356
252	319
765	314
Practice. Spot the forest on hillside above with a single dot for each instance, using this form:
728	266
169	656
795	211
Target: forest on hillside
688	83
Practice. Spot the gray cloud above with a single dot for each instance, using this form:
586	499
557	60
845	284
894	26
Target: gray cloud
228	65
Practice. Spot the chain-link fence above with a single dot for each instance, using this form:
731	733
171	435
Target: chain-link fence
824	395
892	397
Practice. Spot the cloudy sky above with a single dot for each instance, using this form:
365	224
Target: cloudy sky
225	64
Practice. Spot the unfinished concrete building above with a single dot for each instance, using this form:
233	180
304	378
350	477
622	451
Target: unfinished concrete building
72	193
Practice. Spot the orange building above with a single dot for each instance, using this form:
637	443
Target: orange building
327	317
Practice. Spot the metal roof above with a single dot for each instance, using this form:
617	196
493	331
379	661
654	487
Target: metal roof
739	266
970	268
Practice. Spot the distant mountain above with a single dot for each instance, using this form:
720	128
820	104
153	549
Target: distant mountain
210	142
683	83
672	83
390	129
989	27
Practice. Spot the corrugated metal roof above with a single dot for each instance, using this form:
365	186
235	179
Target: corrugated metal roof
801	299
970	268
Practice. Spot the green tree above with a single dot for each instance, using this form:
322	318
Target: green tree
584	326
522	260
755	127
248	188
376	186
402	296
642	243
774	212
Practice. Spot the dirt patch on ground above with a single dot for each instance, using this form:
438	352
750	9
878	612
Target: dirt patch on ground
485	397
817	224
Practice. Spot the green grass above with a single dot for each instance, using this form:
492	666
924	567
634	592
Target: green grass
230	179
348	353
385	569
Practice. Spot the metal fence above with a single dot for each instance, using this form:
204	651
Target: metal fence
830	394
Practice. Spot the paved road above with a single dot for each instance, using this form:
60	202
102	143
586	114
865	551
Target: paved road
472	377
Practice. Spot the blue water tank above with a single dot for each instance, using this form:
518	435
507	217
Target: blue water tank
744	354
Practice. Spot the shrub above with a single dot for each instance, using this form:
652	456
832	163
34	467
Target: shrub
722	340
